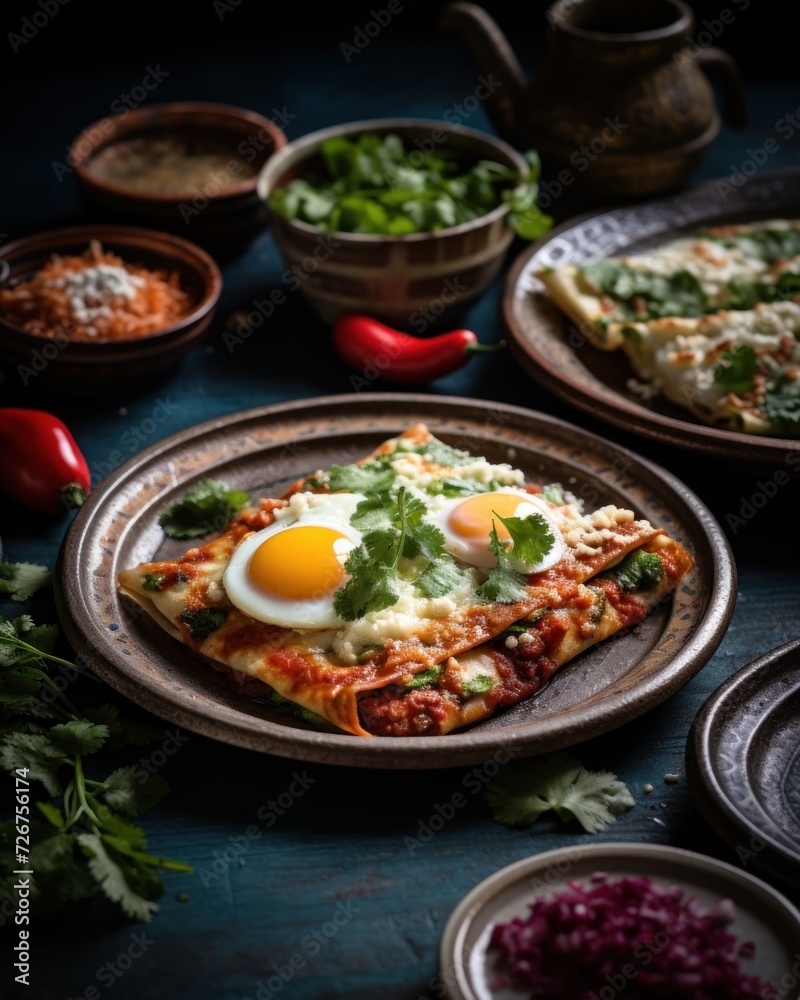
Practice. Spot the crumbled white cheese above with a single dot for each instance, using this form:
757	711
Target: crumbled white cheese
91	289
403	619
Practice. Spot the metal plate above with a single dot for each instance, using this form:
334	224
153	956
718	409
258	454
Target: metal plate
266	449
743	762
763	916
557	354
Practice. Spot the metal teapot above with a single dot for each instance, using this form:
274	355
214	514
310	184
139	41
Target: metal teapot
619	109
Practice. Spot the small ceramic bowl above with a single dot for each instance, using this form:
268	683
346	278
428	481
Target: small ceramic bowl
131	168
73	366
414	281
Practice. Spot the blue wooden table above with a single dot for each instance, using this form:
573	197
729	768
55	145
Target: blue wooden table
305	886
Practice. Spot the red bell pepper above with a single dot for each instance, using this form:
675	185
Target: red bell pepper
41	465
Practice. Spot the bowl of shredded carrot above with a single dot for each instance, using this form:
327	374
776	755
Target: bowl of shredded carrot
81	304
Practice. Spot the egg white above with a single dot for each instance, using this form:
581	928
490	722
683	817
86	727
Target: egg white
476	551
325	510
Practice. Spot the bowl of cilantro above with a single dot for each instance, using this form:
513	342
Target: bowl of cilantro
407	220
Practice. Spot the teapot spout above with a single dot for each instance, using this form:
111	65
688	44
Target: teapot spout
495	60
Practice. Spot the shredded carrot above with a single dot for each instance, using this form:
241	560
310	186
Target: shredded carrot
97	296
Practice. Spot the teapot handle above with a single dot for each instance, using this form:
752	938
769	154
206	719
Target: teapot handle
732	83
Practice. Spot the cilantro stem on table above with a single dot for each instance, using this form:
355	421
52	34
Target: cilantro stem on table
83	839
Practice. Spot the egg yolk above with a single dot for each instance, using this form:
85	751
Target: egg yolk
473	518
299	563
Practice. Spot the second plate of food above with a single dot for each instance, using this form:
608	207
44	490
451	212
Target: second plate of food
688	322
617	671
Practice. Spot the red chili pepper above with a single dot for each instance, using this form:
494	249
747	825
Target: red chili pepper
41	466
379	351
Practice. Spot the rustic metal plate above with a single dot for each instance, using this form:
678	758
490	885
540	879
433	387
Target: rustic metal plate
266	449
763	916
743	762
557	354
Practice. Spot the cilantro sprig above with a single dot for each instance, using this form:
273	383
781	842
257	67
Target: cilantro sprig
208	506
82	838
530	539
524	790
394	528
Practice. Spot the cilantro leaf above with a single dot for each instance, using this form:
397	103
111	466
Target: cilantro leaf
111	877
532	539
374	512
504	584
443	454
35	752
736	369
370	587
438	578
639	570
522	791
208	506
202	622
375	477
131	793
21	580
457	487
78	737
421	538
525	217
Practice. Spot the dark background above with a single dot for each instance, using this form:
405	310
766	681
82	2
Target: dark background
87	35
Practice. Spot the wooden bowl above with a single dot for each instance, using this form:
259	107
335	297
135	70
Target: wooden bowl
417	281
223	214
70	366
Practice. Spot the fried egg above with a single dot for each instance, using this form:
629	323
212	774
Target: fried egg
466	524
287	574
